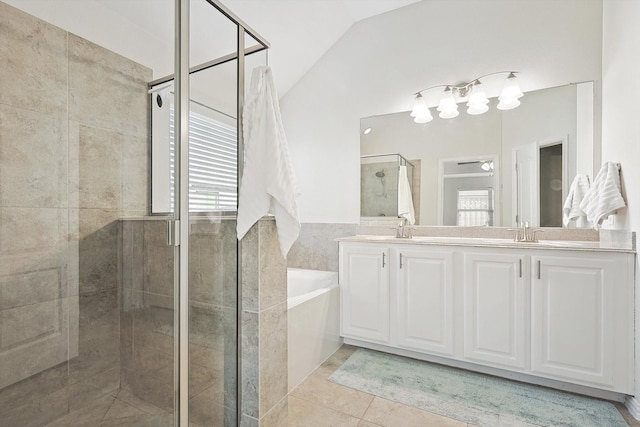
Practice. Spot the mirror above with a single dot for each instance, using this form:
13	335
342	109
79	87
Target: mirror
515	165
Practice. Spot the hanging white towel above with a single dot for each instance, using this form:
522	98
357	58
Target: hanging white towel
603	197
405	201
268	183
571	209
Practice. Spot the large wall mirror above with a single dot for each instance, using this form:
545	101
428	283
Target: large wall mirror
500	168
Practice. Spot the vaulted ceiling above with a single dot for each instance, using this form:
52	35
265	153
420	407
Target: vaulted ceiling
300	31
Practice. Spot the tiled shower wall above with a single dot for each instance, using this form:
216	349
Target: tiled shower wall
317	248
146	340
73	160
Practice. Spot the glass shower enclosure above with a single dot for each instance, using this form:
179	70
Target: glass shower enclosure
119	271
379	185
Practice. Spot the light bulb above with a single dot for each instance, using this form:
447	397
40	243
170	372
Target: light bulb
511	89
508	104
474	110
420	108
478	96
447	106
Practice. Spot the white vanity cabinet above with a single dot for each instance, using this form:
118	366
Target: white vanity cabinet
581	317
538	315
364	292
496	308
424	299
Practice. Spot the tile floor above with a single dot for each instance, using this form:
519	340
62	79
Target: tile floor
317	402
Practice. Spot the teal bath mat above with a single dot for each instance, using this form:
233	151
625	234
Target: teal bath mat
474	398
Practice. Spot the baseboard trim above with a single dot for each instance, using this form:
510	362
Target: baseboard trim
633	406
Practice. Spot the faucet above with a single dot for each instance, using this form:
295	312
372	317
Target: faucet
524	233
403	231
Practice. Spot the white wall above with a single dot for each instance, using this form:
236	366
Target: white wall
380	62
620	124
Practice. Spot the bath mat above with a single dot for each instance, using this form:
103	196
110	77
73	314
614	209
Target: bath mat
471	397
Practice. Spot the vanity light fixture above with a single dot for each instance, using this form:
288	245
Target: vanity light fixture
473	92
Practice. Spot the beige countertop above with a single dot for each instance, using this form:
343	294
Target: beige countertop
573	245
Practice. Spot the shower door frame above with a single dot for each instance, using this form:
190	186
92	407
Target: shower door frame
179	227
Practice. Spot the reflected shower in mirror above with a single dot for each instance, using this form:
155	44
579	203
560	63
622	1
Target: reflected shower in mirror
554	124
380	198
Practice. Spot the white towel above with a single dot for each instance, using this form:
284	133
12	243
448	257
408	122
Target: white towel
604	197
268	184
571	209
405	201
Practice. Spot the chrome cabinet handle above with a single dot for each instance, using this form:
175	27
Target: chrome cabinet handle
401	260
383	256
520	262
538	269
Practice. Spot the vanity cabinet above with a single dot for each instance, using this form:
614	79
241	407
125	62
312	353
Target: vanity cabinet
548	314
579	314
424	313
364	292
496	308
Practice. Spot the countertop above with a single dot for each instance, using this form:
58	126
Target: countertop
591	246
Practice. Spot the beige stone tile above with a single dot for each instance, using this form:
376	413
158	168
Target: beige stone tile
37	336
334	361
207	408
277	415
128	397
33	159
250	365
134	175
33	60
273	267
107	90
32	229
333	396
122	414
391	414
303	413
95	159
316	247
273	356
90	415
250	270
39	412
364	423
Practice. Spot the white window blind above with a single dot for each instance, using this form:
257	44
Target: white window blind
213	152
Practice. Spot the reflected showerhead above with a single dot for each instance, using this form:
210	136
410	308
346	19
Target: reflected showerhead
380	174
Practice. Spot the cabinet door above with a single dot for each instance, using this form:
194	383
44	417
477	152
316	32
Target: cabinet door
579	318
496	301
424	305
364	292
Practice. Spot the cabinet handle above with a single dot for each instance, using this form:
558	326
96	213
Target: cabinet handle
401	260
520	264
538	269
383	255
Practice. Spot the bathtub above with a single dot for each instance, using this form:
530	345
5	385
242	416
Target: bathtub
313	300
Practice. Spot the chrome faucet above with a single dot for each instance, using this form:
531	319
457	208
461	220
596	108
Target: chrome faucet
524	233
403	231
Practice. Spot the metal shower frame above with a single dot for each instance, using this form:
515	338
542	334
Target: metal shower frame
178	227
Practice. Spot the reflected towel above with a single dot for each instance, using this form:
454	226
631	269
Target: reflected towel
268	183
604	197
405	200
571	209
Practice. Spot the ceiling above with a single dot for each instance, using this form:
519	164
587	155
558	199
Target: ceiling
299	32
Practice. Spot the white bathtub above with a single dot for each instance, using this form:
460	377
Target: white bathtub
313	300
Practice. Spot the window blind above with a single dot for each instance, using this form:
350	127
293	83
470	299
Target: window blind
213	170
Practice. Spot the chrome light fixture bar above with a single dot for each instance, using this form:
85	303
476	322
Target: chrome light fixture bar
477	102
